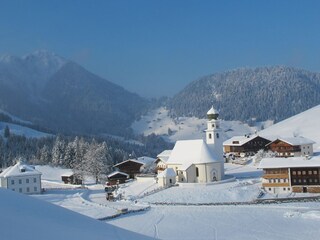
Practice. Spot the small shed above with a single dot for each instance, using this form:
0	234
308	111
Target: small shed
71	178
167	178
117	177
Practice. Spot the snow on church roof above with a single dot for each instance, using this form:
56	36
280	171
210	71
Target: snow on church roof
191	152
19	169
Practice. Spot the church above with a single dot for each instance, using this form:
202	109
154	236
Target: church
199	161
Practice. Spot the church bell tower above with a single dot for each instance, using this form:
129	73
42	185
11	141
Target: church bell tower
213	131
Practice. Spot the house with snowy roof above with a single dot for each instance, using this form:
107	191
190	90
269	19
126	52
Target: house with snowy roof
199	161
21	178
292	146
133	167
247	144
161	160
296	174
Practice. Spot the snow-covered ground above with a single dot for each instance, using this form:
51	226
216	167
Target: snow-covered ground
22	131
159	122
268	221
304	124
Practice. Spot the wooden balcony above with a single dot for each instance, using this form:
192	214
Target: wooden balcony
275	184
279	175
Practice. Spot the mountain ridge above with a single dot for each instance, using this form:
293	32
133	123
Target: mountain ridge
264	93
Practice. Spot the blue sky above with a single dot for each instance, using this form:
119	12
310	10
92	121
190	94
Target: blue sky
156	48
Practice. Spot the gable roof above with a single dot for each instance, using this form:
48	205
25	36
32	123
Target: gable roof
241	140
191	152
19	169
168	172
295	141
129	160
117	172
290	162
164	155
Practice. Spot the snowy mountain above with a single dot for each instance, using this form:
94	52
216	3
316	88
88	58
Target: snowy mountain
304	124
58	94
264	93
25	217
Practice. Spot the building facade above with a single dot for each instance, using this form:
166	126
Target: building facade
296	174
21	178
291	147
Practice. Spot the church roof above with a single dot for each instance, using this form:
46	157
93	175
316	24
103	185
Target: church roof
212	111
19	169
191	152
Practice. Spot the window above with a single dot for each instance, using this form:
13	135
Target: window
299	180
294	173
284	189
269	189
20	181
316	180
28	189
213	125
34	180
217	135
304	172
288	189
299	172
278	180
210	136
304	180
197	172
310	172
20	189
12	182
35	188
181	179
270	181
315	172
27	180
294	180
310	180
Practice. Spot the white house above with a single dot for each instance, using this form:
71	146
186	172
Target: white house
199	161
161	160
21	178
167	178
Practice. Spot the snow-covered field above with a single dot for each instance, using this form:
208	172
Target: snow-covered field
22	131
304	124
267	221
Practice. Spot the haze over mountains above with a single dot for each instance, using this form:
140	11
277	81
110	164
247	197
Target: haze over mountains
60	95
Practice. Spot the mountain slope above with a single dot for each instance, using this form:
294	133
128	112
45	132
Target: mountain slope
264	93
304	124
61	95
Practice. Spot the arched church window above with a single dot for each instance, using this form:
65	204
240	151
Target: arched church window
197	172
210	136
212	125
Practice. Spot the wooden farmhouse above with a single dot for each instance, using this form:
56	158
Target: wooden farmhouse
21	178
291	147
247	144
117	178
71	178
295	174
130	167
